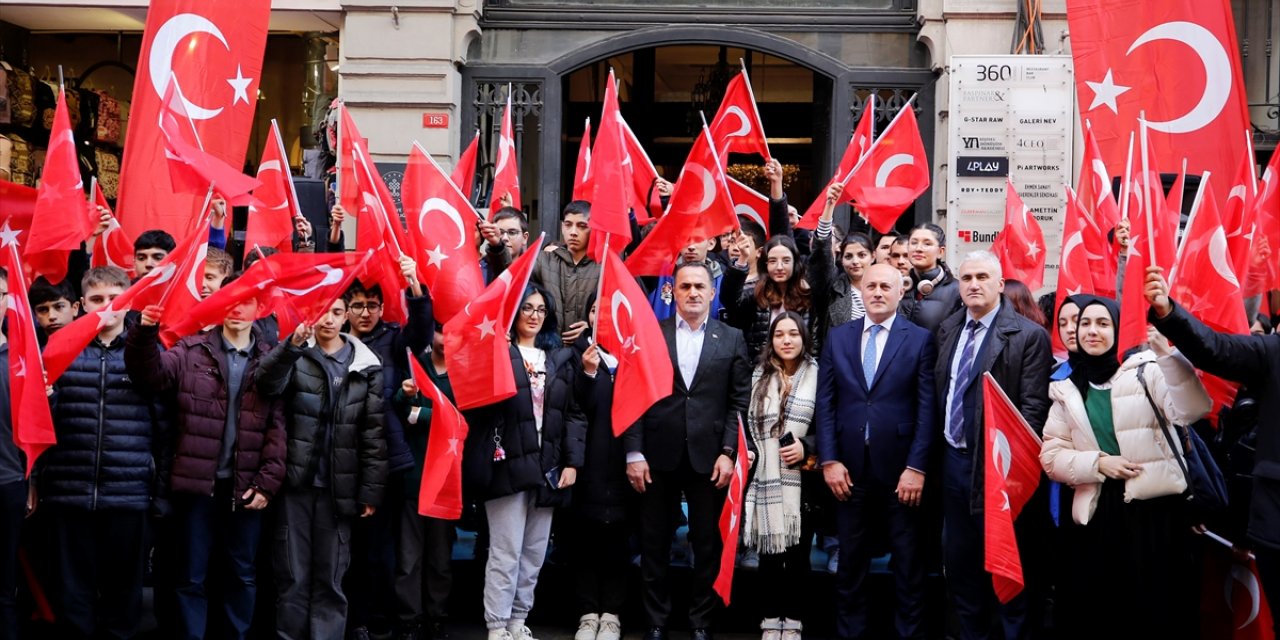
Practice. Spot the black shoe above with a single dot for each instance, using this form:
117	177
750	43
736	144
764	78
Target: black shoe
437	630
410	631
700	634
656	633
359	633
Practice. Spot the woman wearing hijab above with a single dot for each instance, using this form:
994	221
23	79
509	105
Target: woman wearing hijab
1127	547
1068	317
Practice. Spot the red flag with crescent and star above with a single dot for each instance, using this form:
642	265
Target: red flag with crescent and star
737	127
609	186
646	203
62	217
1097	198
1020	244
191	168
440	492
1011	473
271	215
582	170
894	173
29	416
750	203
1074	267
1177	61
1266	239
113	247
627	328
214	48
441	223
700	209
464	172
858	145
475	340
731	519
506	176
1233	605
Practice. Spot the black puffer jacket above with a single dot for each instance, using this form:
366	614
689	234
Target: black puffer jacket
512	421
929	311
358	461
388	341
109	436
603	493
744	314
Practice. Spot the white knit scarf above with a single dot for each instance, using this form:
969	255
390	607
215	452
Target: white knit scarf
772	517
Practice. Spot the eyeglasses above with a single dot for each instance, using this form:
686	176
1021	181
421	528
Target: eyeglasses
360	307
530	310
511	233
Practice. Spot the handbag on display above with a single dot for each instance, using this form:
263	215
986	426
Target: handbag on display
108	125
20	163
46	103
22	98
1206	487
4	92
108	172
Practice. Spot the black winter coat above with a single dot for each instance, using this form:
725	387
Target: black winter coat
388	341
931	310
603	493
1251	360
109	436
512	422
358	452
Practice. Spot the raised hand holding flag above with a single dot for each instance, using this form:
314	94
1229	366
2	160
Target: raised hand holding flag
113	247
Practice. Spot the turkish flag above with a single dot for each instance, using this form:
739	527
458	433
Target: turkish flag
1232	602
363	193
18	204
271	215
1011	473
894	173
173	284
737	127
1203	279
646	202
750	203
731	519
475	340
113	247
627	328
611	183
858	146
1176	60
440	493
297	287
700	209
506	176
1240	215
1149	228
441	220
582	170
1020	245
191	169
1075	265
214	49
464	173
1095	187
1266	233
28	404
62	217
1173	202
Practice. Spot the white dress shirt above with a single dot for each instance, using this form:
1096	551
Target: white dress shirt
688	354
882	339
985	321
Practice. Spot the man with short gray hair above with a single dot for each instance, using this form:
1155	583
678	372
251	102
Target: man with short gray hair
987	335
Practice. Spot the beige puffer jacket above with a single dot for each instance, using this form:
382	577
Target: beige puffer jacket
1070	451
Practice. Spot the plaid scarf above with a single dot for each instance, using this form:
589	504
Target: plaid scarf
772	518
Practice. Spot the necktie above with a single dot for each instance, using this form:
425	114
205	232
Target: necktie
961	383
869	369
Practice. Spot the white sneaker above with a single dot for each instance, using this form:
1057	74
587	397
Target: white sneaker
588	625
610	627
791	629
499	634
771	629
519	631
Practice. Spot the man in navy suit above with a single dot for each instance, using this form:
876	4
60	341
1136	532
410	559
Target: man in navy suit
875	425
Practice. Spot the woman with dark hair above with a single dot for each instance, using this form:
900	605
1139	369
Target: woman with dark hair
837	298
521	456
934	294
603	510
1023	302
782	287
780	419
1127	549
1065	324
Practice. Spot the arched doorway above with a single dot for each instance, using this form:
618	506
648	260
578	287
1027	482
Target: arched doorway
552	94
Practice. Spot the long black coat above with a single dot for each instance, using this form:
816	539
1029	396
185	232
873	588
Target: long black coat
358	452
603	493
1251	360
512	421
1018	356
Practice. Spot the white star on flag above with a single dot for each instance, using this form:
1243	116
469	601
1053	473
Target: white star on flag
241	86
453	448
487	327
108	316
1033	250
630	344
22	368
8	236
435	257
1106	92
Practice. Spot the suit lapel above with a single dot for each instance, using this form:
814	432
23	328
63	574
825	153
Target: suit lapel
710	342
891	346
669	332
855	347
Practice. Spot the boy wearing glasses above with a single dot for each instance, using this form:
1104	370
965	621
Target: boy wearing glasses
372	576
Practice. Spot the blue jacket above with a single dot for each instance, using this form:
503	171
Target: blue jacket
109	436
898	408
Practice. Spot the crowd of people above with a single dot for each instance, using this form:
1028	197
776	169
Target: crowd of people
853	361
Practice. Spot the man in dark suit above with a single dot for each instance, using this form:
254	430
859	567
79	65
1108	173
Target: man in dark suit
988	335
686	444
875	426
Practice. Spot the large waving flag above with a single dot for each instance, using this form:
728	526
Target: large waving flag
627	328
191	168
737	127
1020	245
893	174
62	217
271	215
731	519
113	247
28	405
440	492
1011	473
858	146
610	183
582	170
506	176
464	173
